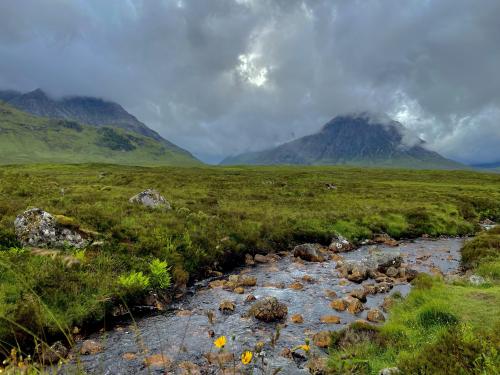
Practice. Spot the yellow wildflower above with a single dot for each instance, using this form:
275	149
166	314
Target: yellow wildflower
220	342
305	348
246	357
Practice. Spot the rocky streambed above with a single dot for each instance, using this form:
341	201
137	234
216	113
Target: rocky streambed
180	341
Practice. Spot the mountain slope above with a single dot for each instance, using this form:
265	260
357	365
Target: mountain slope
26	138
86	110
361	139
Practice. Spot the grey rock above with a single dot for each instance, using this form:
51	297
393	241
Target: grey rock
389	371
308	252
151	198
476	280
36	227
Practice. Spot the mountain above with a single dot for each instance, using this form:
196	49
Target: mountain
26	138
362	139
83	109
489	167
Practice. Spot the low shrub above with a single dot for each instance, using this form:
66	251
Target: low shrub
484	247
160	274
436	316
134	283
423	281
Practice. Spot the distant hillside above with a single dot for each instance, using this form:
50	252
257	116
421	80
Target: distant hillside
86	110
361	139
26	138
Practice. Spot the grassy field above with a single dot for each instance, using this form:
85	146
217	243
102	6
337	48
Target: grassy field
218	215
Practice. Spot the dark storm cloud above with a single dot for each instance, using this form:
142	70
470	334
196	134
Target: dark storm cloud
225	76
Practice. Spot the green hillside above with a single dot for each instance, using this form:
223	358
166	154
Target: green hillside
30	139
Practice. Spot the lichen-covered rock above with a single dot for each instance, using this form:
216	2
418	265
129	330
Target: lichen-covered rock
389	371
338	304
36	227
339	244
151	198
330	319
375	315
269	309
359	293
308	252
392	272
297	319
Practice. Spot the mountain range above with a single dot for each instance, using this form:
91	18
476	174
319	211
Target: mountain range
85	129
362	139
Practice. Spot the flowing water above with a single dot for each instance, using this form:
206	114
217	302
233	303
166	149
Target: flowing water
182	333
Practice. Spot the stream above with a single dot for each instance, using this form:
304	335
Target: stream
182	333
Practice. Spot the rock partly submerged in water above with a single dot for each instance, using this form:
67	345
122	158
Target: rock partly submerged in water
36	227
151	198
340	244
269	309
309	252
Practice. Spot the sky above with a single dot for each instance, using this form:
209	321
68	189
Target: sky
221	77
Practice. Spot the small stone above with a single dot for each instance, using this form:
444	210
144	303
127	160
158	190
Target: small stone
370	289
476	280
249	260
330	319
184	313
259	258
308	279
239	290
246	281
157	360
297	318
389	371
296	286
286	353
216	284
330	293
129	356
388	303
391	272
383	287
375	315
250	298
90	347
322	339
338	304
218	358
339	244
189	368
227	306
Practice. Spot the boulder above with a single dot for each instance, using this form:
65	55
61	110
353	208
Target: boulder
249	260
339	244
385	239
36	227
152	199
269	309
250	298
375	315
308	252
358	274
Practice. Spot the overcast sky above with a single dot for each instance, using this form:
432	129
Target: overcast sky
220	77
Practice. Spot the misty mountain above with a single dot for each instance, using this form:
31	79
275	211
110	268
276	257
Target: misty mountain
360	139
83	109
25	138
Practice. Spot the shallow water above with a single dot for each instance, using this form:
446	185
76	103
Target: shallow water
183	336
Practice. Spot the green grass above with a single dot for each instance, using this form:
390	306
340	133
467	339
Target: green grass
439	328
30	139
218	215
